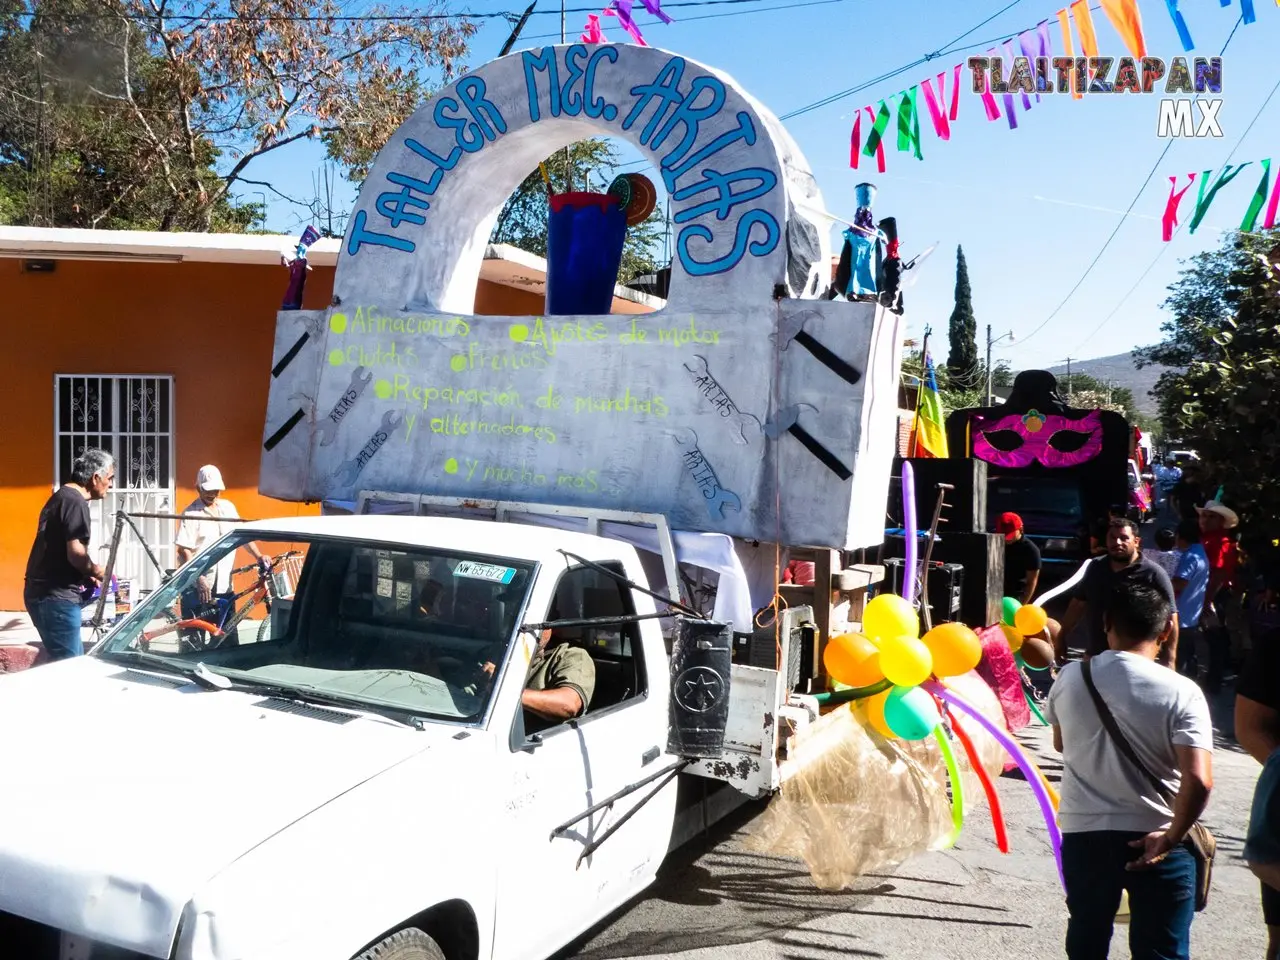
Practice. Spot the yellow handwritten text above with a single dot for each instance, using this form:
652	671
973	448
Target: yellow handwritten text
367	320
456	426
549	335
683	336
402	388
627	403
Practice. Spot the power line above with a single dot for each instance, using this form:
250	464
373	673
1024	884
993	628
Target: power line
1165	246
510	15
1114	233
713	16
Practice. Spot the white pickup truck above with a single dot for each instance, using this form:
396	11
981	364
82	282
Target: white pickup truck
337	764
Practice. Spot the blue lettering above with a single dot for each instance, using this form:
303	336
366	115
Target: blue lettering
745	132
358	236
396	205
595	106
471	91
544	61
461	125
570	101
448	163
665	88
690	115
742	244
765	180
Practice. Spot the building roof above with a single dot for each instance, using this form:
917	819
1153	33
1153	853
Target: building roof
503	264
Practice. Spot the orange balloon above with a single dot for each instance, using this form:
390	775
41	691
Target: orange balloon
852	659
956	649
1030	620
1013	636
873	710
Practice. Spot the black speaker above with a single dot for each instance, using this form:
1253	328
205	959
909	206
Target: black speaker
966	510
982	580
701	656
946	587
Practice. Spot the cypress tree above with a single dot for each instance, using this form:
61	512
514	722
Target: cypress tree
962	332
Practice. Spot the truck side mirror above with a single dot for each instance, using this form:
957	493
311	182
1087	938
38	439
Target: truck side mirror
698	713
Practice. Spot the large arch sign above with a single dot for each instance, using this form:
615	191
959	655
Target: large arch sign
746	406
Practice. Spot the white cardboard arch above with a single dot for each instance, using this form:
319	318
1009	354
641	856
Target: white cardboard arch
731	410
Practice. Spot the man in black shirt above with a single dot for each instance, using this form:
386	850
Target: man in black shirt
1089	596
59	564
1021	559
1258	730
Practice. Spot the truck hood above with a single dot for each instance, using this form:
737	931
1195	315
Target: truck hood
125	793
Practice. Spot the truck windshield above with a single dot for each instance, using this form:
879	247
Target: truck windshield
1044	505
412	630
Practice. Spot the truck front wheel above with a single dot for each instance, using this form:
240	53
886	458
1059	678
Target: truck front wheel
409	944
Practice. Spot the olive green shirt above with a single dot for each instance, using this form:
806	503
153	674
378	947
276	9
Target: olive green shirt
563	666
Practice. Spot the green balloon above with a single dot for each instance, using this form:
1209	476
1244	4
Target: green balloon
910	713
1009	607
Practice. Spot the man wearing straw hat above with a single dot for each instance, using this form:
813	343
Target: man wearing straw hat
1216	523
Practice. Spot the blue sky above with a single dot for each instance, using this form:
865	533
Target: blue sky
1031	206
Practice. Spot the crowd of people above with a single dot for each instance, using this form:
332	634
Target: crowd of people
1159	631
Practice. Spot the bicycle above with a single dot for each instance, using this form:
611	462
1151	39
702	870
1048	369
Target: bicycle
219	618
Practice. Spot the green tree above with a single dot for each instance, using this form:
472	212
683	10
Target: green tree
1088	391
962	331
591	165
148	113
1223	396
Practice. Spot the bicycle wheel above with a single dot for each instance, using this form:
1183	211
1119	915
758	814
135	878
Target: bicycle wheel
264	626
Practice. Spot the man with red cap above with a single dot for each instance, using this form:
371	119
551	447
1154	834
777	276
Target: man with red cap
1021	559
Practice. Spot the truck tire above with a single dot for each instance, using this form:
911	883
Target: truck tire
408	944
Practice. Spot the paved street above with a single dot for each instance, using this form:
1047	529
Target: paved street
721	901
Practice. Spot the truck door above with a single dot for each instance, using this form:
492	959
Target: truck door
549	893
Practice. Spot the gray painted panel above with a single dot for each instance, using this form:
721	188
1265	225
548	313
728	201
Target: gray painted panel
728	411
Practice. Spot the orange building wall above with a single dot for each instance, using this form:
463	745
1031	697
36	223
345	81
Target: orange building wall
211	326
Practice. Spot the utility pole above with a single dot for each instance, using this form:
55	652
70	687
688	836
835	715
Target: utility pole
1069	385
990	341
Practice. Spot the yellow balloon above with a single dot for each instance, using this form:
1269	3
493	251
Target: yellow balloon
1030	620
852	659
873	712
956	649
889	615
1013	636
906	661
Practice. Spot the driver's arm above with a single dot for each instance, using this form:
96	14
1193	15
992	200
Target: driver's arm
569	684
559	703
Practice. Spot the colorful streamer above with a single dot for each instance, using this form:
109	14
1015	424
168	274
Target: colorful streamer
1035	710
1259	198
909	122
1008	100
1029	769
1274	205
875	139
988	100
1180	24
955	88
1070	50
989	788
1010	56
1084	23
592	33
655	8
1246	11
941	127
957	785
855	140
1036	44
1127	19
622	10
1204	199
1170	219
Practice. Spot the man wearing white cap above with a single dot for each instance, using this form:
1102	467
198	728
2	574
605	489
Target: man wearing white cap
204	521
1216	522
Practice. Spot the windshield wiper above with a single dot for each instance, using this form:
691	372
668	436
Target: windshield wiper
307	694
152	661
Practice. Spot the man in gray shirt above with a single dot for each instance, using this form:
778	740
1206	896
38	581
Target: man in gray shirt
1118	832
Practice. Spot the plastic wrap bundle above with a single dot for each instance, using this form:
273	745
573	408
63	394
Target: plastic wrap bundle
853	802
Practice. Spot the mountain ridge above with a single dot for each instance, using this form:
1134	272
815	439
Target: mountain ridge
1121	370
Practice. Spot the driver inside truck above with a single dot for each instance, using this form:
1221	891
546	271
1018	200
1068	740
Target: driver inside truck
561	679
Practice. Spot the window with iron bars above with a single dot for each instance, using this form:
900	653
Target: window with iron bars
132	418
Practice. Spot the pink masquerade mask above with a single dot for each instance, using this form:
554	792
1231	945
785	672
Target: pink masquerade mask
1019	440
